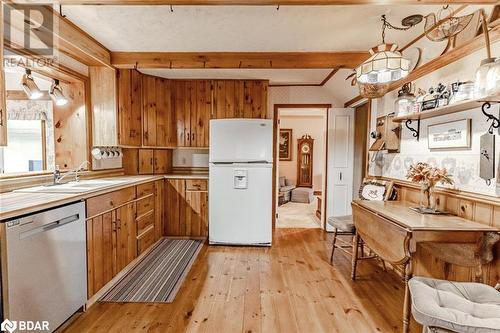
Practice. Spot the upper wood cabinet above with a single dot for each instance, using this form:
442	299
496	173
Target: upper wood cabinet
192	103
103	102
157	112
240	99
3	107
129	107
158	122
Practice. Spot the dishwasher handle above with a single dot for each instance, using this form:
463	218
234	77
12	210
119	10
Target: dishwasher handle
49	226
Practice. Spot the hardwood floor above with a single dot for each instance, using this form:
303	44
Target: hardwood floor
290	287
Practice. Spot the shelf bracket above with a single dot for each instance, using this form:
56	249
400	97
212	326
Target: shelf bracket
495	121
415	132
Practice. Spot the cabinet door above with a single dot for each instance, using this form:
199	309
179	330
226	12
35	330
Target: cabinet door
255	99
196	213
126	235
3	107
182	105
162	160
200	113
175	207
145	161
103	105
149	110
129	107
101	251
166	131
227	99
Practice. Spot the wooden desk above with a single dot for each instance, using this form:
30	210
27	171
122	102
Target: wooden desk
392	230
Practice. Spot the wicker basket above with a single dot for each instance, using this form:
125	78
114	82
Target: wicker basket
373	90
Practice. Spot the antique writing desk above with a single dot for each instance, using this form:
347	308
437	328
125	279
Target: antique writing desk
392	230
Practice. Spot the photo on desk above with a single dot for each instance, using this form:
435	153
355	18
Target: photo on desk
450	135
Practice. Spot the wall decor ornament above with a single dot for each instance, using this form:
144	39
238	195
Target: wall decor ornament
285	152
450	135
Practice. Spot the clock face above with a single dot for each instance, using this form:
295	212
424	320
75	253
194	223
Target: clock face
305	148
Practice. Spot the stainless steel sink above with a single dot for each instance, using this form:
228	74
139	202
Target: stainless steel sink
72	187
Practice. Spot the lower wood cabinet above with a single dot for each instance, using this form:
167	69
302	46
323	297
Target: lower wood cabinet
122	225
186	203
147	161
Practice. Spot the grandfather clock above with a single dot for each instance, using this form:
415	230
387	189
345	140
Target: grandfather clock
305	161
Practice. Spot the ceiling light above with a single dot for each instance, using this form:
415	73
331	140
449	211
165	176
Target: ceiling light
30	87
385	64
57	95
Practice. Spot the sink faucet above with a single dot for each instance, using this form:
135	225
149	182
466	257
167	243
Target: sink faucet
58	177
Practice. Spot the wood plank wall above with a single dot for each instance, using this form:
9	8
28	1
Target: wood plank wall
473	207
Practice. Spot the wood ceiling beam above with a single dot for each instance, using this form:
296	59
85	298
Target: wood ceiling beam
451	56
262	2
68	39
264	60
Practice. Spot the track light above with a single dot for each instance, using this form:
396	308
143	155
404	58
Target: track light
57	95
30	87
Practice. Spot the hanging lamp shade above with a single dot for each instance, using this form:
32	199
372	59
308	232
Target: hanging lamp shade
385	65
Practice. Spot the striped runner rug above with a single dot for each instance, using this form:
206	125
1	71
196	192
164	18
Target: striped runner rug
159	275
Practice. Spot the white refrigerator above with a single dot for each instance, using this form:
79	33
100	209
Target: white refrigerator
240	182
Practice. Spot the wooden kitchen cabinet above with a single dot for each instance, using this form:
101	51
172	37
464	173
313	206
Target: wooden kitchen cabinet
239	99
103	106
186	208
162	161
129	87
122	225
158	118
146	161
192	103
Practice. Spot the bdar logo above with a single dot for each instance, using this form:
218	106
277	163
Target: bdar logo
8	325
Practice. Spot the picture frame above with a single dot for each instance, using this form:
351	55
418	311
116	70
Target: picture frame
285	144
454	134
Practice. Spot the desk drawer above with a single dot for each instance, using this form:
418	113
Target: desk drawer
144	222
196	185
102	203
145	205
146	240
145	189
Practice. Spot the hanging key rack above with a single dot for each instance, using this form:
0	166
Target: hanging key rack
495	122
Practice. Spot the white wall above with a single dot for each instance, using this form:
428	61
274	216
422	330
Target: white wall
195	158
301	124
462	164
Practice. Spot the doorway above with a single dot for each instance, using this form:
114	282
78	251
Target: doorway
300	167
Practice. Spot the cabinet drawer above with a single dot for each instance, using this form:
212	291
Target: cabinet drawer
144	222
145	189
145	205
146	240
102	203
196	185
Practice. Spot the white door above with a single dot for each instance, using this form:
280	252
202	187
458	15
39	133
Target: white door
340	162
240	204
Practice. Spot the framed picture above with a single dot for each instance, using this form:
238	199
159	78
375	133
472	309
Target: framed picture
449	135
285	144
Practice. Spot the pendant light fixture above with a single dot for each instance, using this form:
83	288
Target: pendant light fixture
29	86
386	64
57	95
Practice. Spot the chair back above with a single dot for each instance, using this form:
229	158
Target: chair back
376	189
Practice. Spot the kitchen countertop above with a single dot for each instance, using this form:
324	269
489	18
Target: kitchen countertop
14	204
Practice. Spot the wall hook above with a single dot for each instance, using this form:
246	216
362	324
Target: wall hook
495	121
415	132
171	8
60	11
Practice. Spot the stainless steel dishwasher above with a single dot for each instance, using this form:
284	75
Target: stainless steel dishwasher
46	265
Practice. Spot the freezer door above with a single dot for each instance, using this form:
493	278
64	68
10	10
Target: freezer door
240	204
241	140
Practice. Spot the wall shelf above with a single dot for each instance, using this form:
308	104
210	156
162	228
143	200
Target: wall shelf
448	109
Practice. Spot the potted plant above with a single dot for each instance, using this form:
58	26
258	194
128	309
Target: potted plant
428	177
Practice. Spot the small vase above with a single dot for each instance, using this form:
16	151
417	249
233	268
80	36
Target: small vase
427	198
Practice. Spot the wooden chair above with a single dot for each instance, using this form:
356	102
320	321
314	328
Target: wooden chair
370	189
